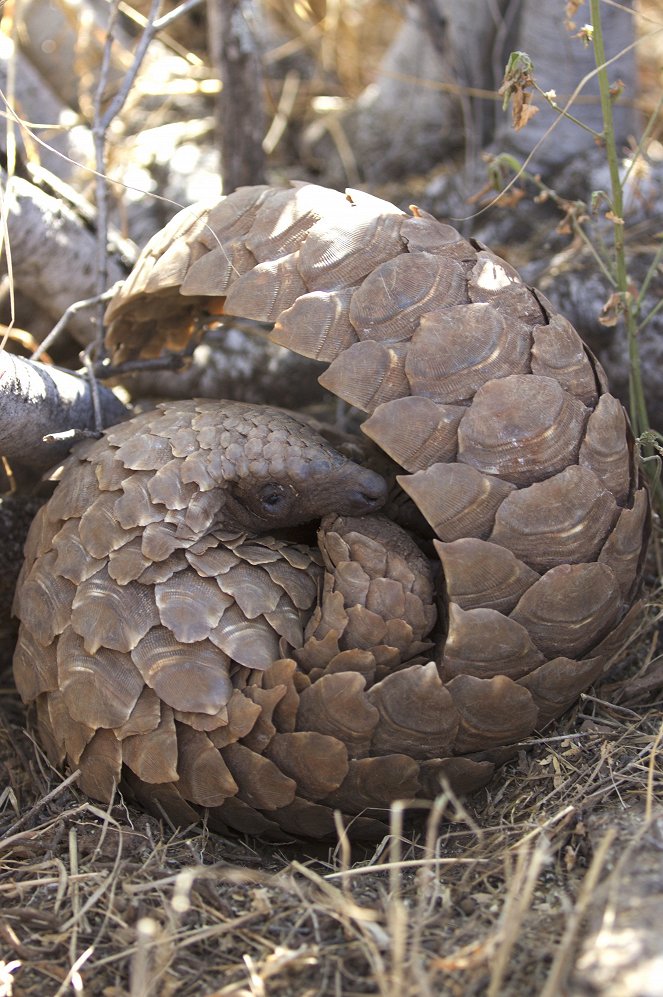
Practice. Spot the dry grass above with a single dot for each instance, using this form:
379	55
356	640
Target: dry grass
493	896
488	897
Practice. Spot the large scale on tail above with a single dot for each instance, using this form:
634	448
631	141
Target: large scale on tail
209	664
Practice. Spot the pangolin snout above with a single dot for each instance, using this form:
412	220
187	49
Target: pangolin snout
366	492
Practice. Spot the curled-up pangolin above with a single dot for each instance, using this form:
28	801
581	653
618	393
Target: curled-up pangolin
173	636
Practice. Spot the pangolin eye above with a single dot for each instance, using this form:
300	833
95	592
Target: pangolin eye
273	497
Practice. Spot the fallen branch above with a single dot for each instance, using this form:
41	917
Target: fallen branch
38	401
52	253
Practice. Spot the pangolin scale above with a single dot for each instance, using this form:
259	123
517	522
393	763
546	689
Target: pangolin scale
176	641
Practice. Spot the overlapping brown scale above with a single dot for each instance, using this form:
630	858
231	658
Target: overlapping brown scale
415	432
204	777
367	374
71	734
352	582
480	574
52	744
337	705
623	550
263	729
143	452
284	672
284	220
232	217
170	268
616	639
604	449
494	280
182	229
236	815
190	606
109	615
448	366
161	800
144	717
242	715
214	273
43	601
134	506
253	643
424	233
340	252
212	562
160	541
493	711
417	715
39	540
100	765
302	817
100	689
160	571
224	252
317	762
570	608
75	493
363	629
561	520
73	560
153	755
127	563
287	621
203	721
122	432
35	666
196	468
374	783
203	510
99	529
555	685
392	299
526	428
110	471
485	643
523	428
456	499
261	784
166	488
559	352
317	325
265	291
252	588
462	775
190	677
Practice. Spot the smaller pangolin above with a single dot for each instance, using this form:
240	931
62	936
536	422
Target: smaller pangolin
162	608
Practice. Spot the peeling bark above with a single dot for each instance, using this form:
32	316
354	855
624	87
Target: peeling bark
52	254
37	400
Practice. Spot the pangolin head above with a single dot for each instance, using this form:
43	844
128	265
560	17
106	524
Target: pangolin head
278	472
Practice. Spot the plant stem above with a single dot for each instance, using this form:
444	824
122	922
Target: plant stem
637	404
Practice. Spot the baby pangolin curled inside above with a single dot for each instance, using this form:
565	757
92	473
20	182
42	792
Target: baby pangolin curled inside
172	642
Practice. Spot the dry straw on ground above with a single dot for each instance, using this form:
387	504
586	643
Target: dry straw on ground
548	882
494	896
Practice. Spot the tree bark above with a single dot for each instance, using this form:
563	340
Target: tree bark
37	400
52	254
240	116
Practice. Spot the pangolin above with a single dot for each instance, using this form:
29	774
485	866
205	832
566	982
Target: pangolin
175	639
